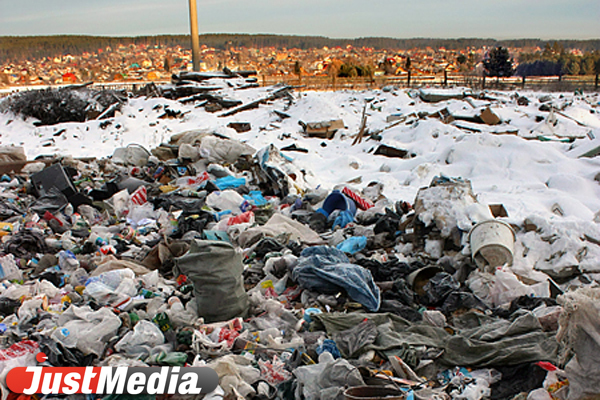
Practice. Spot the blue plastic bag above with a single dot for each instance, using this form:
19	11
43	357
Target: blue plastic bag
353	245
327	270
229	182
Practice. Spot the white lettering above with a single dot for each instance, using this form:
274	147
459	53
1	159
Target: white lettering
55	378
87	377
136	379
189	387
71	381
35	381
157	381
173	380
114	382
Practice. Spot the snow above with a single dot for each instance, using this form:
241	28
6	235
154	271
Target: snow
534	179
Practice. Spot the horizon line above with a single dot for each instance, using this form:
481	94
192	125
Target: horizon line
296	35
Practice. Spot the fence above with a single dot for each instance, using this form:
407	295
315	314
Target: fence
586	83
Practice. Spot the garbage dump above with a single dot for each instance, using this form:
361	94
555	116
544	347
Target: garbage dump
206	251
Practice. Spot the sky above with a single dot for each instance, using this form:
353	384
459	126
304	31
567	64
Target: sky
499	19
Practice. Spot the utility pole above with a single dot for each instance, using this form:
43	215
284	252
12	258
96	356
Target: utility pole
194	33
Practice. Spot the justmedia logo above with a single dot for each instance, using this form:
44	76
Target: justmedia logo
111	380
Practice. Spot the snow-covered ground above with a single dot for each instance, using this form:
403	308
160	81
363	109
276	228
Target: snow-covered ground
531	170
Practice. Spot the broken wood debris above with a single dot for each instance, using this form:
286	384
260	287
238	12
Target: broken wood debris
322	129
392	152
363	126
281	92
240	127
203	76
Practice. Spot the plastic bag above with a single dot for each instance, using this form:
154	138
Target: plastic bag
438	288
274	371
343	219
141	340
225	200
172	358
482	284
229	182
579	332
316	380
89	329
508	287
21	354
120	203
105	284
9	269
179	315
67	261
326	270
236	373
353	245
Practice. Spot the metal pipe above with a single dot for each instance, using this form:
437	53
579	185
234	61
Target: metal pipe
194	33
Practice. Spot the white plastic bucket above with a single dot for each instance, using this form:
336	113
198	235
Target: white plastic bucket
492	244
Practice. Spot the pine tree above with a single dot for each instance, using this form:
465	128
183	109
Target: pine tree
498	63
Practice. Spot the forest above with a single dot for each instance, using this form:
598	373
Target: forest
19	48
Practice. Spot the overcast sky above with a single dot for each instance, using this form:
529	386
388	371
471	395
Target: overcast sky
500	19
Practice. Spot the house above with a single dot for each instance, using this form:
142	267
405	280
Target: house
69	77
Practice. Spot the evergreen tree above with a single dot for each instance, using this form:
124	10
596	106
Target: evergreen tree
297	68
573	67
498	63
587	65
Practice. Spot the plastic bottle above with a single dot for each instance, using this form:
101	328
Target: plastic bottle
112	278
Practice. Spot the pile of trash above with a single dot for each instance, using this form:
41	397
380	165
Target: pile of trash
75	103
206	251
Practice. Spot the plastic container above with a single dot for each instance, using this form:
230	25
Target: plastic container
337	201
492	244
419	278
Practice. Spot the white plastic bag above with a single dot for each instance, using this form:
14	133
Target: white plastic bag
144	337
225	200
508	287
9	269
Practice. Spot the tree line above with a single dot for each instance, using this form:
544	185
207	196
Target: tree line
19	48
552	61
